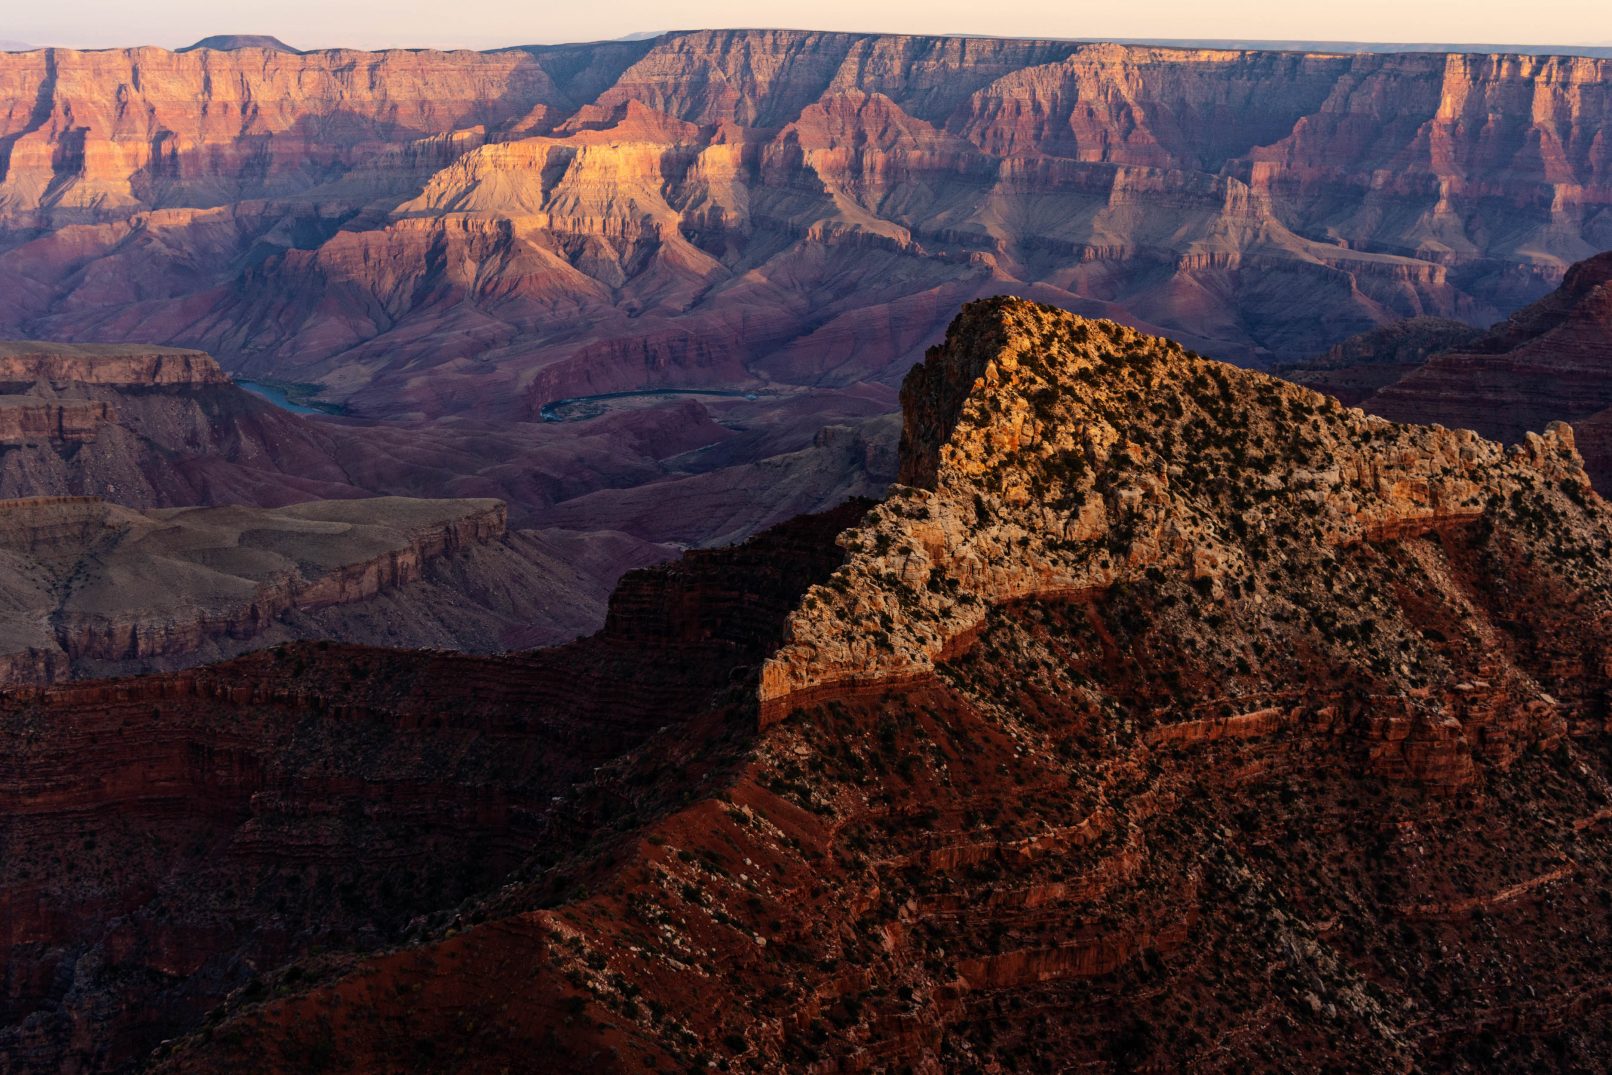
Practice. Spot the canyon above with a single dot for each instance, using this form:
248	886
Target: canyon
1164	714
320	797
430	233
452	241
446	245
1065	700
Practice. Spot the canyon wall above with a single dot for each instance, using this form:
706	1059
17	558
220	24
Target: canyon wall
1551	360
430	233
152	428
24	363
476	254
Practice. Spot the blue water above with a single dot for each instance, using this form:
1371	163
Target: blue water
278	397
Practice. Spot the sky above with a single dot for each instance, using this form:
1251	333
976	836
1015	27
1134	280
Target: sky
493	23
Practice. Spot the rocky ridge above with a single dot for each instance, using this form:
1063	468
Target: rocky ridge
1360	365
28	362
328	798
1257	732
1019	487
1549	359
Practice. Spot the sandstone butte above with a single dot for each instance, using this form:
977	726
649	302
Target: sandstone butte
1164	715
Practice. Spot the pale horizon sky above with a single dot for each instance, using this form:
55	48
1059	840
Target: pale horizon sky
482	24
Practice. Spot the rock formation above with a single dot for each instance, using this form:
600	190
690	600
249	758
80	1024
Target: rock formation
1167	715
448	243
1362	364
90	588
1551	360
231	42
169	839
419	231
136	427
163	427
155	427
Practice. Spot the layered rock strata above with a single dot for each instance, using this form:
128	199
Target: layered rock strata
1171	716
152	428
171	838
94	585
25	363
419	230
1550	360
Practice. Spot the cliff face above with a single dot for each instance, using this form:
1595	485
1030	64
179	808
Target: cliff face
1166	719
154	427
28	362
419	231
25	421
93	135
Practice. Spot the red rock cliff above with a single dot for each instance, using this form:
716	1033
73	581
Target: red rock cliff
673	194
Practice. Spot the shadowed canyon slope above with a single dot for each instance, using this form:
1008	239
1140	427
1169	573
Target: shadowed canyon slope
90	588
439	233
1551	360
179	836
1167	714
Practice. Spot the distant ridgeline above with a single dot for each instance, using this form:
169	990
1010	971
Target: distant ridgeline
423	233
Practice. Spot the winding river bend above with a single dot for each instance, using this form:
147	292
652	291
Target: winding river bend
581	408
277	396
